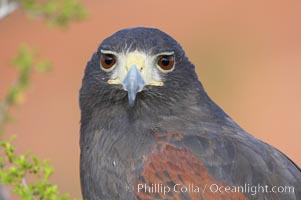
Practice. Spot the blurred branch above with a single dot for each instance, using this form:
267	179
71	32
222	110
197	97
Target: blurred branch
7	7
16	169
55	12
25	62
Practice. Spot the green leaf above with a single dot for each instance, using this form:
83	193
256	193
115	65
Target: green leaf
57	12
43	66
24	58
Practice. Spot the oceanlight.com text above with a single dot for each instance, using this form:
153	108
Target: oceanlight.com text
213	188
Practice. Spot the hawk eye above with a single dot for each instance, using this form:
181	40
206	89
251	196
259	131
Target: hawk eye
107	60
166	62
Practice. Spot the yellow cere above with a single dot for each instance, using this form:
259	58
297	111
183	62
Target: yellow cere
136	59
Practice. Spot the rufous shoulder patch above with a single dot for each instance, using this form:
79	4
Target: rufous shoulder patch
174	173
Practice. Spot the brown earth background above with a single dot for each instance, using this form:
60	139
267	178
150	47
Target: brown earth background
247	55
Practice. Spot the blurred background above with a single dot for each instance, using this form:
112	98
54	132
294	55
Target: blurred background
247	55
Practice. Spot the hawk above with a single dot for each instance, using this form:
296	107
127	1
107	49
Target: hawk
150	131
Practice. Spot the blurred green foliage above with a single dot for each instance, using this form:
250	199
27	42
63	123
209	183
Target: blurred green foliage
15	169
56	12
26	175
26	61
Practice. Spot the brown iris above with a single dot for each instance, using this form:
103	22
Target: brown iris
166	62
107	60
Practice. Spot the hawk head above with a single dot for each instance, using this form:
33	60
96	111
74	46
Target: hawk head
138	67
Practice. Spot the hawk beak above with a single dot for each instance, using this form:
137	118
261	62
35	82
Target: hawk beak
133	83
